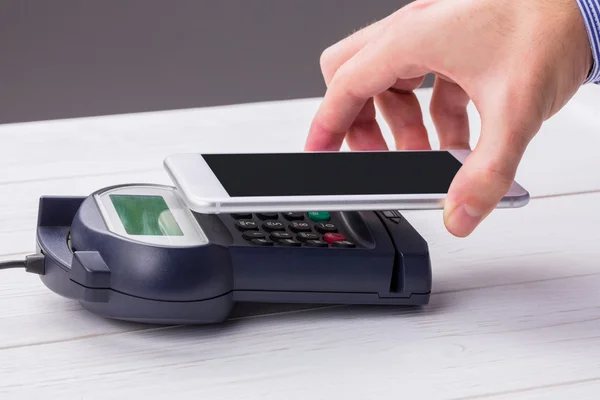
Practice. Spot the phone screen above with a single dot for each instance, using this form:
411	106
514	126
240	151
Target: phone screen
336	173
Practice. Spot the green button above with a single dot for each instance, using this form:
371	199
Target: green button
319	216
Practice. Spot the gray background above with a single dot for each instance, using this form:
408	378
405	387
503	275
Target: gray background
74	58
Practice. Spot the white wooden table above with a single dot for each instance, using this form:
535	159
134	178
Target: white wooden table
515	312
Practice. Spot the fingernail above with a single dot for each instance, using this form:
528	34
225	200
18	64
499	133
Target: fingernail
464	219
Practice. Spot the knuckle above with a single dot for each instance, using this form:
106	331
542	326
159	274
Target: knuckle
327	61
342	81
449	100
353	94
326	57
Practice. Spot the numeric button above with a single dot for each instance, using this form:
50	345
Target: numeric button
273	226
267	215
246	225
298	226
316	243
262	242
289	242
249	235
325	227
242	215
281	235
304	236
293	216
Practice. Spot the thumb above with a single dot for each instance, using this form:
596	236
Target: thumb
488	172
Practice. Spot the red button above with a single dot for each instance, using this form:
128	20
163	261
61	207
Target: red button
331	237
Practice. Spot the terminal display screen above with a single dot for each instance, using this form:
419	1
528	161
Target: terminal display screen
145	215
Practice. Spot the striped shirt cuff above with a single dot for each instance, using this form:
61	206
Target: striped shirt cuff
590	10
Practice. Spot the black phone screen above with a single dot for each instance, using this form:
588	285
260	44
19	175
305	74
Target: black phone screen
336	173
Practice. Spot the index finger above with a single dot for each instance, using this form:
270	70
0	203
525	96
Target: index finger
373	70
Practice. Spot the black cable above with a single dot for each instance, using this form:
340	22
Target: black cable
33	263
12	264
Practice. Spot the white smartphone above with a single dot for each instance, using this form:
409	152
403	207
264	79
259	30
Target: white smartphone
321	181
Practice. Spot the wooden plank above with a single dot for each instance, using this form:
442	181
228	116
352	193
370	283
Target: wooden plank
468	343
581	390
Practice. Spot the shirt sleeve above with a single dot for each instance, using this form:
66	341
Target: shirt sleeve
590	10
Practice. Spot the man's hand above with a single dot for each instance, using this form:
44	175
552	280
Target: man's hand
518	61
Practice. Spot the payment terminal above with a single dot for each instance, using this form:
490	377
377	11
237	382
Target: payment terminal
137	252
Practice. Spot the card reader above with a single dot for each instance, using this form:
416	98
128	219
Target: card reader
138	253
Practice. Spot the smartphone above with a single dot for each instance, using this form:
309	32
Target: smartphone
320	181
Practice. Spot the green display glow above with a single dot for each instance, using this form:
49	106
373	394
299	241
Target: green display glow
145	215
